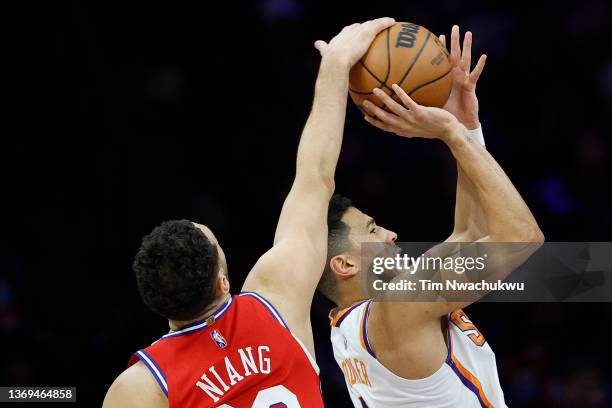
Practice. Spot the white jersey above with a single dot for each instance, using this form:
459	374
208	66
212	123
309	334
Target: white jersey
468	377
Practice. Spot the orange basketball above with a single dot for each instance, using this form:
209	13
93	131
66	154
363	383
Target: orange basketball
408	55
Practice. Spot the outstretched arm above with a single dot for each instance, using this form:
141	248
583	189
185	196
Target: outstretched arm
470	223
288	273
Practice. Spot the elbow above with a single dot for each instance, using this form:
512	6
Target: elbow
530	233
324	181
325	177
329	184
536	236
472	233
533	238
317	181
465	236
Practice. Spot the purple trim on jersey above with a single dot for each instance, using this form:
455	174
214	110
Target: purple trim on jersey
449	341
155	369
449	360
201	324
341	319
470	385
365	330
268	306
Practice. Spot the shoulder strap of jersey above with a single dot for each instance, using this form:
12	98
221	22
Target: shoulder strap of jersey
153	367
337	316
363	329
275	314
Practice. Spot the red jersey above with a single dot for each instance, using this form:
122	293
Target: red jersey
244	355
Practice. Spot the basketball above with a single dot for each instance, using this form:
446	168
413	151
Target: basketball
410	56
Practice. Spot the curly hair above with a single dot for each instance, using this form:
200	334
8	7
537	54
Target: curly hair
336	241
176	268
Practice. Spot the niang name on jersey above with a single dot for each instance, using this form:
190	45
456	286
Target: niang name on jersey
427	285
218	380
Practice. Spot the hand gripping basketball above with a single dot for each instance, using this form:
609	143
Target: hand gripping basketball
353	41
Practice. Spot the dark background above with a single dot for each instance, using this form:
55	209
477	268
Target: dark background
131	113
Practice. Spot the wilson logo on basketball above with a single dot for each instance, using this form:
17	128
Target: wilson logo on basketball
407	35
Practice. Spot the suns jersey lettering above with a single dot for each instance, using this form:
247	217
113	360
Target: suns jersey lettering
468	377
242	356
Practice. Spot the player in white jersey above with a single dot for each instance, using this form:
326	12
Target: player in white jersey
426	354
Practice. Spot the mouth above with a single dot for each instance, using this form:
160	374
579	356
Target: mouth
392	250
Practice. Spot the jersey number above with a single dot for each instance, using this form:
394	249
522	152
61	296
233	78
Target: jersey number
274	397
465	325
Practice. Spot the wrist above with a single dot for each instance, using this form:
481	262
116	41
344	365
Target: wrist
335	64
455	132
471	124
477	135
332	75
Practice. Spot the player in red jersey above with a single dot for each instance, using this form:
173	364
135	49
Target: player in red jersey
255	349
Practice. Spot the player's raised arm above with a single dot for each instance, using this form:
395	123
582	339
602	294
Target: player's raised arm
508	217
290	271
470	222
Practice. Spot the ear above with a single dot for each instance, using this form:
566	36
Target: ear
344	266
223	285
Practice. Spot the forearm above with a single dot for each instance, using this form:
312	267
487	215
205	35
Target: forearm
305	207
470	222
507	216
322	136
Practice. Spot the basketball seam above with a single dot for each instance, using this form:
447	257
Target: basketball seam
383	83
429	82
414	61
388	56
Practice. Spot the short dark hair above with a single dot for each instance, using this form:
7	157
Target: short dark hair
337	242
176	267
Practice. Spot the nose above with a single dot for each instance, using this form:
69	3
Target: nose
390	236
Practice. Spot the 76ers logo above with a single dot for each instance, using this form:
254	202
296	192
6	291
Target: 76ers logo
219	339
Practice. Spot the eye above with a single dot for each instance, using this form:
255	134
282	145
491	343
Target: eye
373	230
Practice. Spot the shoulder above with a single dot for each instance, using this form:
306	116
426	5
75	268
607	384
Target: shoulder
135	387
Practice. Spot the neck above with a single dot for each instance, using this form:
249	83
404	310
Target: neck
347	299
177	324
